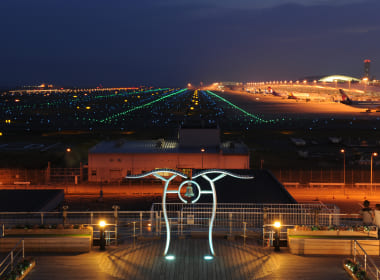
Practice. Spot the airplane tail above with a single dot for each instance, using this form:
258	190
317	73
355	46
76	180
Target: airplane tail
291	96
345	98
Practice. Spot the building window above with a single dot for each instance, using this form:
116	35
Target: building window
93	172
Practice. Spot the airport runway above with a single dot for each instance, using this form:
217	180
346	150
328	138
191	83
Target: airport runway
276	107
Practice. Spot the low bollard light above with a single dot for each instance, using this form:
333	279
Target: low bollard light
277	226
102	225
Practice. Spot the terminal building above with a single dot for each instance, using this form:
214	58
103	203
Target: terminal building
194	148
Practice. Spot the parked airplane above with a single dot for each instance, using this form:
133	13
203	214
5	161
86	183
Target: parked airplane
369	105
299	95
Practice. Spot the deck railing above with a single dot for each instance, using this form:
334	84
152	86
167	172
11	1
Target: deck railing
9	262
365	262
186	218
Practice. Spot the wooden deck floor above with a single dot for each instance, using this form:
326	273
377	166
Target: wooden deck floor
233	261
145	261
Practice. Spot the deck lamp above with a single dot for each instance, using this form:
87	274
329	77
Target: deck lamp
277	226
102	225
170	257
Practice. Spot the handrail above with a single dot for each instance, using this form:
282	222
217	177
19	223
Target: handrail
13	256
369	265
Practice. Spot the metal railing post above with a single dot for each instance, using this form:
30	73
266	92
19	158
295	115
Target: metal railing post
11	260
141	227
244	231
42	218
330	219
365	262
160	225
377	273
181	222
230	222
157	226
91	217
3	231
23	249
116	234
134	232
354	251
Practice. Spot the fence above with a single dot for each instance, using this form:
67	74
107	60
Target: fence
14	176
306	176
365	262
188	218
12	258
229	216
301	176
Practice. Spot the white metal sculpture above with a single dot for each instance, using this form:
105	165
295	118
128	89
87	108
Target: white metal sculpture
203	174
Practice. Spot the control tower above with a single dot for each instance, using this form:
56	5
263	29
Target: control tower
367	63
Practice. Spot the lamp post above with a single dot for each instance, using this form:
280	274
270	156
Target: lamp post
344	166
277	226
202	151
365	81
102	225
372	155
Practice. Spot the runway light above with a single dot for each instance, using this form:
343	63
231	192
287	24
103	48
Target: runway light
208	258
170	257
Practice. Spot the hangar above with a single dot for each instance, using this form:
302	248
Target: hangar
195	148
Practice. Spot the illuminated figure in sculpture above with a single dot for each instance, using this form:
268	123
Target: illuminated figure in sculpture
188	181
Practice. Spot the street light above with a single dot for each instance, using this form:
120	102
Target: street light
344	166
365	81
202	150
102	225
372	155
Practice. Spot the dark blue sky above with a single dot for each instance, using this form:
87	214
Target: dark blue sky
172	42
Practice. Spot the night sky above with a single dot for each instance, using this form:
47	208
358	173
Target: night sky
173	42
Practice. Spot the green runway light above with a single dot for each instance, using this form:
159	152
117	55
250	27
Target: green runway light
258	119
142	106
